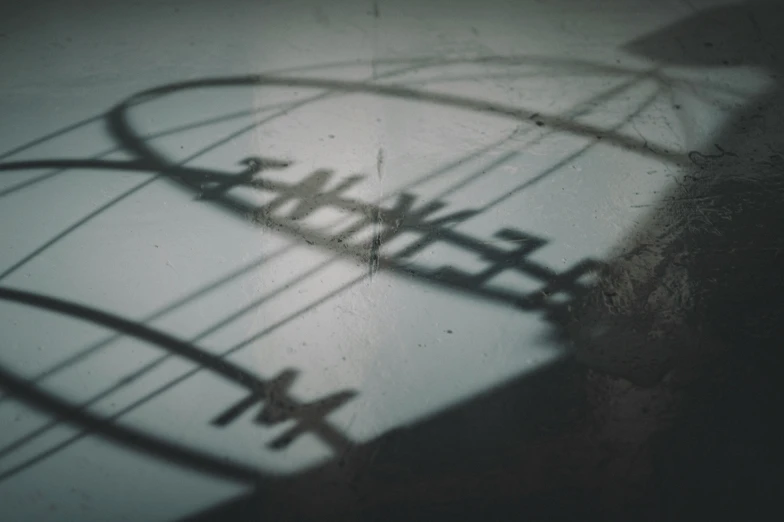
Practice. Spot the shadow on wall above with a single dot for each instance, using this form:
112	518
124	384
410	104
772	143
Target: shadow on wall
270	397
508	252
668	409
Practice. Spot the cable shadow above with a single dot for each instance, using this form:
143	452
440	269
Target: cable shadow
556	289
278	405
670	408
198	176
541	445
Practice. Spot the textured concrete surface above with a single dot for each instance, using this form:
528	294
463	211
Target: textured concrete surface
390	260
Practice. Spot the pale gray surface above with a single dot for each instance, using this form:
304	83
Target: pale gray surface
409	349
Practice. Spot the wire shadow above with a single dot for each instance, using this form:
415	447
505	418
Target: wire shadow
558	290
390	221
278	405
677	356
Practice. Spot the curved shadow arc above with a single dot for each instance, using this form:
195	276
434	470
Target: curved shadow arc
118	114
123	435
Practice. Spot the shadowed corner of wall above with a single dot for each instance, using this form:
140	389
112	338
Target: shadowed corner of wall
693	303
